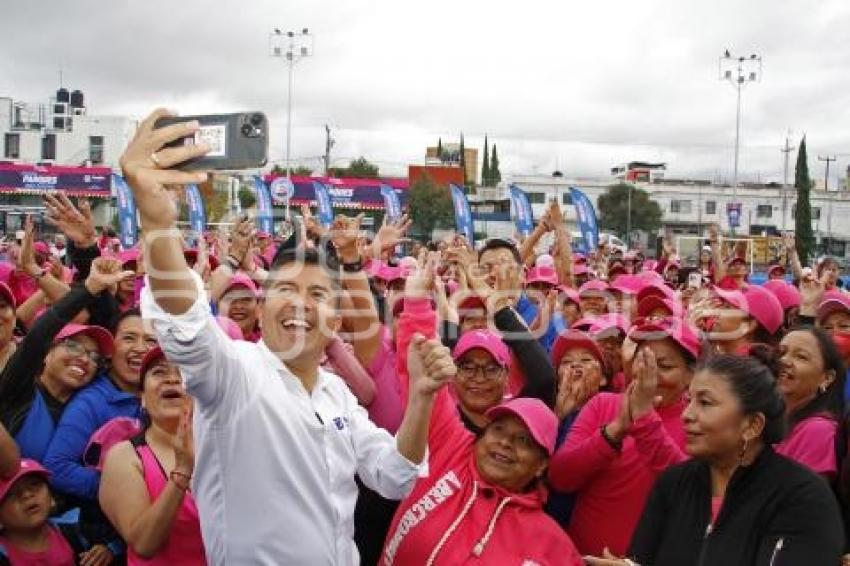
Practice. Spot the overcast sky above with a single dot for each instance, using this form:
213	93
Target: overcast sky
580	86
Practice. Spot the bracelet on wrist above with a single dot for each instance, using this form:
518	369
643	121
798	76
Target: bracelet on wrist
616	445
184	483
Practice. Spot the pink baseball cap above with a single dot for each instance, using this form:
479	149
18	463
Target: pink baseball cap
262	235
241	280
653	302
788	295
579	258
542	274
584	324
575	339
580	269
127	256
609	321
833	301
102	337
628	284
775	269
735	259
535	415
671	327
657	289
593	287
759	303
27	467
41	248
114	431
485	340
572	294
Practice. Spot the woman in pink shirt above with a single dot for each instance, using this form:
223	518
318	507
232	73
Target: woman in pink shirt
620	442
811	379
145	486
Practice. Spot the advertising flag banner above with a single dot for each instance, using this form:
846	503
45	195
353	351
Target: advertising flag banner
586	215
522	211
126	212
463	215
323	203
265	219
391	203
197	214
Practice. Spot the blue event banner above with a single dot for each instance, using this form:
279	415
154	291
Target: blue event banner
463	215
586	215
197	214
126	212
323	203
265	216
523	215
391	202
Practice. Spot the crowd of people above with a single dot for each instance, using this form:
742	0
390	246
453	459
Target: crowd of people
239	397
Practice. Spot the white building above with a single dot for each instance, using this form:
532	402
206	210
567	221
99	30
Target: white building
688	207
60	132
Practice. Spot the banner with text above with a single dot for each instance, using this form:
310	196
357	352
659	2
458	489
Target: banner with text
586	216
463	216
323	204
265	218
197	214
126	212
521	210
391	203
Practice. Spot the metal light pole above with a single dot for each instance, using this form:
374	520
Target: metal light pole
629	220
738	71
291	47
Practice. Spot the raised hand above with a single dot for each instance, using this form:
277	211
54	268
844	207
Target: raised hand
105	275
145	164
507	288
242	238
184	445
420	283
713	234
391	234
789	241
26	256
429	365
312	226
344	233
202	264
643	393
76	223
811	293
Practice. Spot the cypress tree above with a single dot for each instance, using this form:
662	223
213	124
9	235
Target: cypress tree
485	167
805	238
495	174
440	149
462	159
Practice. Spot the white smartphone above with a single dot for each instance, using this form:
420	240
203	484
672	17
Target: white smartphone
695	280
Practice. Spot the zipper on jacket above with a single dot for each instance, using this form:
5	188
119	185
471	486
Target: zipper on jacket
776	550
704	547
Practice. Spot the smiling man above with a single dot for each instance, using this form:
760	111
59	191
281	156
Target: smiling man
278	440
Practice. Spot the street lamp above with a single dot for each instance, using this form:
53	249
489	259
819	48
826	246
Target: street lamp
738	71
291	47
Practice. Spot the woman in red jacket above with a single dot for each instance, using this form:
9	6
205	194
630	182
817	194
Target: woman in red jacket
482	501
619	443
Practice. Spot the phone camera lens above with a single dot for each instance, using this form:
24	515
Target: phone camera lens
256	120
247	130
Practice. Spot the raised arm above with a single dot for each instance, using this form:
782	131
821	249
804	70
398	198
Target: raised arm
532	357
788	239
716	253
49	284
145	165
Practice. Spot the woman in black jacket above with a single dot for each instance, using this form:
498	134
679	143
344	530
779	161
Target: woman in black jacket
737	501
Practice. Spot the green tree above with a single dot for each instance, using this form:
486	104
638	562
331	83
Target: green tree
440	149
805	238
462	159
614	210
359	168
247	197
485	166
430	206
302	171
495	174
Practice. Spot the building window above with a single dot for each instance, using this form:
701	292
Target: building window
567	198
536	198
710	207
12	146
680	206
815	212
48	146
764	211
96	149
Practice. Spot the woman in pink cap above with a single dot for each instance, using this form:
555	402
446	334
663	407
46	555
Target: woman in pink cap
811	378
619	443
789	298
145	487
483	498
751	315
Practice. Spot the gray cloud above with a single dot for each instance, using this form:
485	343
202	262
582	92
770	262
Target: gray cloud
579	86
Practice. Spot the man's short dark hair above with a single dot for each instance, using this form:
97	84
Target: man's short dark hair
319	257
499	244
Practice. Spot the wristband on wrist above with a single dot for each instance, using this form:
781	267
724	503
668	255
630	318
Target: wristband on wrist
182	484
354	266
616	445
232	262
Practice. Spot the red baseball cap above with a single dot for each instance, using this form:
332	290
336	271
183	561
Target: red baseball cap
542	274
833	301
575	339
539	419
191	256
485	340
653	302
670	327
759	303
102	337
28	467
788	295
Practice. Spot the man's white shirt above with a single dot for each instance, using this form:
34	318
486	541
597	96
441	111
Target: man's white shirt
274	464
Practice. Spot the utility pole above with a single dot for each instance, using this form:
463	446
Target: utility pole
828	159
787	151
329	143
291	47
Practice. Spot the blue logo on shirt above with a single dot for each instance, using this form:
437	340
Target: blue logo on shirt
340	422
